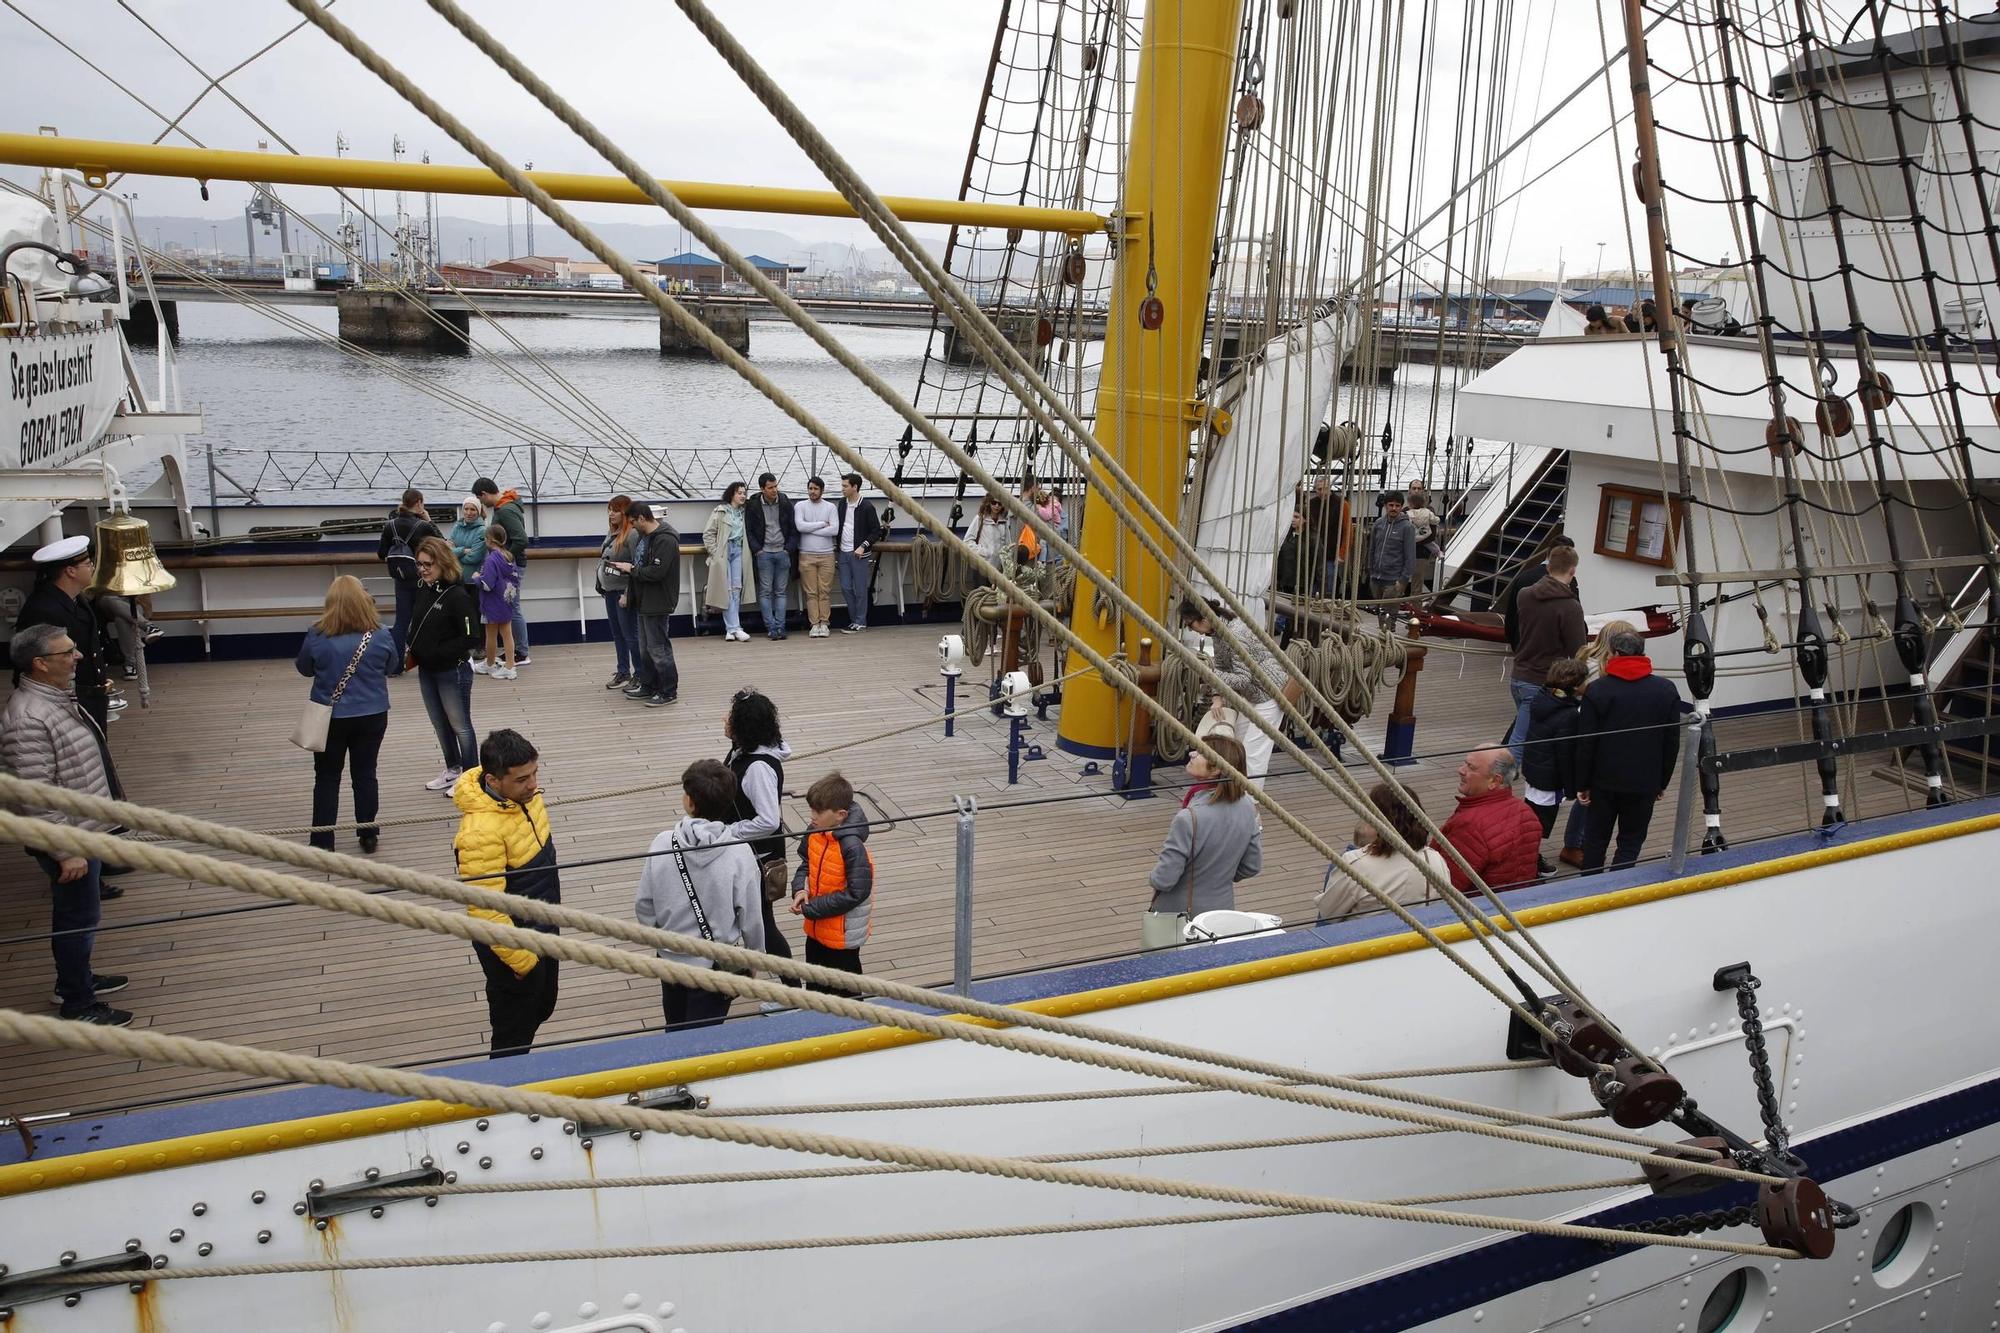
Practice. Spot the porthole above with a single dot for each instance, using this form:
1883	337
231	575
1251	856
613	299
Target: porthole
1903	1244
1735	1304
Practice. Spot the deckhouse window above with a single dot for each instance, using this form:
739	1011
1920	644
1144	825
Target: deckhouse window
1636	525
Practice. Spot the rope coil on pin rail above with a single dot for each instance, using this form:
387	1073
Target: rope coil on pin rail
68	840
152	1045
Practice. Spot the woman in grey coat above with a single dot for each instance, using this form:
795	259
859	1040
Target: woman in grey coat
1215	840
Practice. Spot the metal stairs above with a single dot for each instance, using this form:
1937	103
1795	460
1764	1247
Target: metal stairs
1506	528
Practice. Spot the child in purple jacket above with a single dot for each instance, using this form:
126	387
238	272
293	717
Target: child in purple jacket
499	583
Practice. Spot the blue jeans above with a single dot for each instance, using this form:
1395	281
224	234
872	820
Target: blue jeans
406	600
774	576
624	635
72	920
520	632
854	572
732	614
448	700
1523	693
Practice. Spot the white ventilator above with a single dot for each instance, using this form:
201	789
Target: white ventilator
1275	402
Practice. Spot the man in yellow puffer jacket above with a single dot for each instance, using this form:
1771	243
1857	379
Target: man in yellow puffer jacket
503	844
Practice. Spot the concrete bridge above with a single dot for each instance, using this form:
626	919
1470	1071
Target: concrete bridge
386	317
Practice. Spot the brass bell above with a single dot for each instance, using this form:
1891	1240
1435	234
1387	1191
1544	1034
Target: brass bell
127	564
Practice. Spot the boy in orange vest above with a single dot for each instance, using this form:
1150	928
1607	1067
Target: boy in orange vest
833	886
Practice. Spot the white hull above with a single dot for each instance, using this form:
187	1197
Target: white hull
1895	996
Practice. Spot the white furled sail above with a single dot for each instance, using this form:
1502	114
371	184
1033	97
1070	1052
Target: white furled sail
1562	321
1277	400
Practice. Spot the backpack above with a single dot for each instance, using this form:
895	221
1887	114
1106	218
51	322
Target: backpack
402	561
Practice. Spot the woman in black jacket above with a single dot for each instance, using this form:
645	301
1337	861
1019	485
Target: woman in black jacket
409	523
444	632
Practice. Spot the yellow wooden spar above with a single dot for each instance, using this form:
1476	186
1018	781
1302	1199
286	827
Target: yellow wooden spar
1145	404
99	159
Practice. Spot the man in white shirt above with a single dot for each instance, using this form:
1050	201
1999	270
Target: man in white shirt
860	529
818	523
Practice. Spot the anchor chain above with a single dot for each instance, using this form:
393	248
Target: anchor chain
1689	1224
1745	983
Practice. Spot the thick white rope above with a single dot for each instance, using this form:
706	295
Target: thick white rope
130	1043
67	840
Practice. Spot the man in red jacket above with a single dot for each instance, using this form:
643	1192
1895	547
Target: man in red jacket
1492	828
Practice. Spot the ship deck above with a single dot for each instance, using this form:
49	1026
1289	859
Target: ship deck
1059	864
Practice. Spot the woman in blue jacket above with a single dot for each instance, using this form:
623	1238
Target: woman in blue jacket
349	657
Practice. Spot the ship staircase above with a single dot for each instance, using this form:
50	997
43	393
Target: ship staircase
1504	525
1967	665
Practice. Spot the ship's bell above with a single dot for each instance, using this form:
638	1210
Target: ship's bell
127	564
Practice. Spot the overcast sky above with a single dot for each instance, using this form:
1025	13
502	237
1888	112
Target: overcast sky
895	83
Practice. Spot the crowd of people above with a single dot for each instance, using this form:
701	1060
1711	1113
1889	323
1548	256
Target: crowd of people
1593	726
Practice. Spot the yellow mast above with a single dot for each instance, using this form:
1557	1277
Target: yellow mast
98	159
1145	403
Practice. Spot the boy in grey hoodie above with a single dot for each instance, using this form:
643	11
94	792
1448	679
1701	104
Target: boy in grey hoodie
698	881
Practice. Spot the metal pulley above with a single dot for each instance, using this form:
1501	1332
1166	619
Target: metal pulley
1698	655
1911	648
127	564
1586	1043
1668	1175
1797	1215
1636	1094
1786	437
1811	648
1876	390
1836	418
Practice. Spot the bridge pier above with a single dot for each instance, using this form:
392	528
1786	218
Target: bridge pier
729	323
401	319
1017	326
142	325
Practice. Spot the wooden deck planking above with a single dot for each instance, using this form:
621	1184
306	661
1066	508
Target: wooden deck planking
213	745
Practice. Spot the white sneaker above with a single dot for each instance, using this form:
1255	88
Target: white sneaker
479	668
741	636
504	673
443	781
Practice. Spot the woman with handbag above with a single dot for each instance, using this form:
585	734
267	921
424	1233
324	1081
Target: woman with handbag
1215	840
444	634
757	754
619	538
349	658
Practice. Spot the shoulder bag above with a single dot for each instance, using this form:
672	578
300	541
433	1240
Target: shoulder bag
1162	930
310	734
700	912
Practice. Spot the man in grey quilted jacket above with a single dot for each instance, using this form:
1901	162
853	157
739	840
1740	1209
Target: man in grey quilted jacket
46	737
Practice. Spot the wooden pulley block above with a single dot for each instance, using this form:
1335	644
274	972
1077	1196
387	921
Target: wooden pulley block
1287	8
1089	59
1045	331
1013	235
1876	391
1152	314
1637	1095
1797	1216
1034	670
1639	182
1836	418
1669	1177
1589	1045
1074	268
1249	111
1789	438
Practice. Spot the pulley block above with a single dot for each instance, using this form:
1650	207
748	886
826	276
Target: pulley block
1668	1173
1836	418
1636	1094
1798	1216
1152	314
1786	437
1589	1045
1013	235
1876	390
1045	331
1249	111
1089	59
1074	268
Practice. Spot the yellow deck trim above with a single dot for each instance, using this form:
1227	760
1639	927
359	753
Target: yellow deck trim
216	1145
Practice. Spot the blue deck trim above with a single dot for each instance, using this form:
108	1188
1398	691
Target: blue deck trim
1463	1281
89	1134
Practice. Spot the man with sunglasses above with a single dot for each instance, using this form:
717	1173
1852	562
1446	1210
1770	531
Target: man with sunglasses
46	736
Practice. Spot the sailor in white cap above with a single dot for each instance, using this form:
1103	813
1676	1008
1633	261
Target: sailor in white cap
63	569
